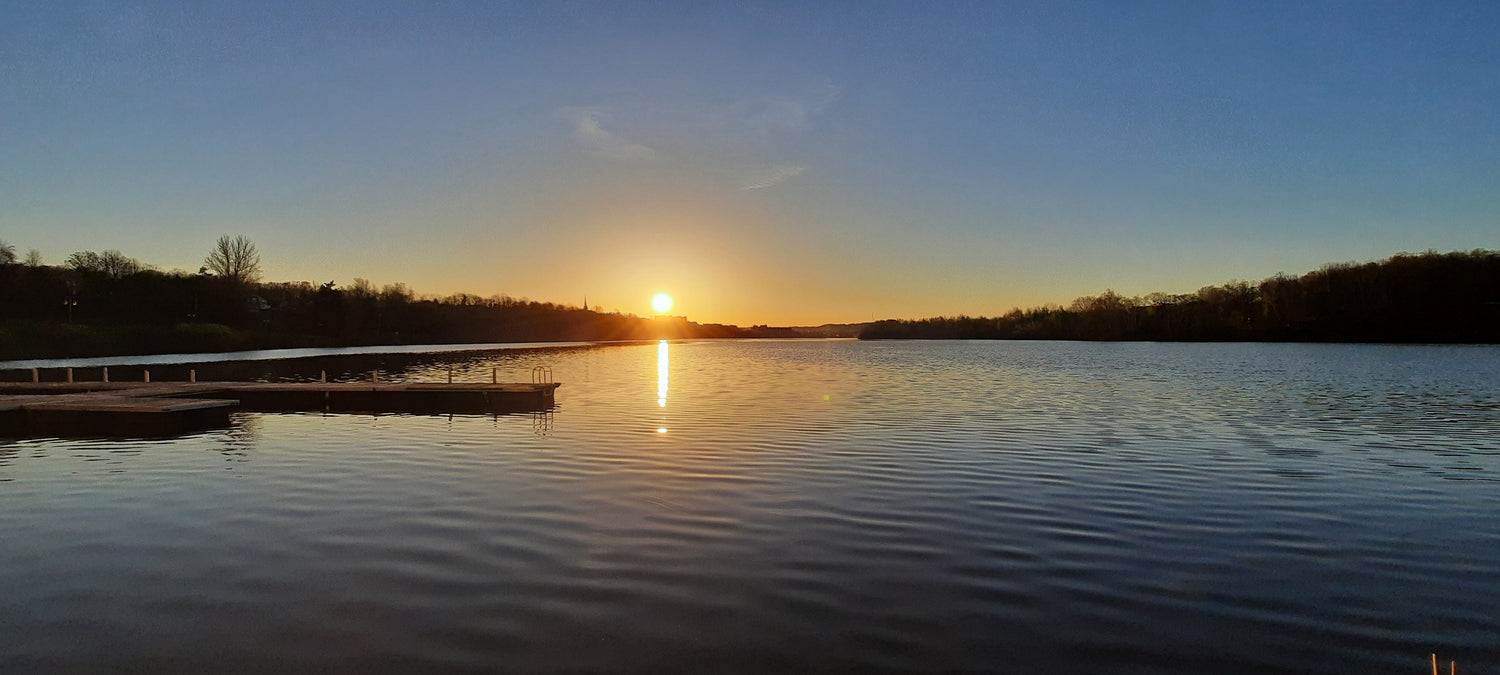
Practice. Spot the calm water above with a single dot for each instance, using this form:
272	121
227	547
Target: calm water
795	506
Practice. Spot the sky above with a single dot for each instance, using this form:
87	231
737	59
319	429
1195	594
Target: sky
764	163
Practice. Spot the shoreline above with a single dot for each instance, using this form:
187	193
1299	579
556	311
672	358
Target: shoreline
282	354
289	353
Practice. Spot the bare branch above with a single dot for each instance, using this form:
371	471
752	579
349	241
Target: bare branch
235	259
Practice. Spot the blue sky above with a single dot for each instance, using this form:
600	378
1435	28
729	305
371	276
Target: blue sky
763	163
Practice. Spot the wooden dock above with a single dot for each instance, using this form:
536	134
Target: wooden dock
130	409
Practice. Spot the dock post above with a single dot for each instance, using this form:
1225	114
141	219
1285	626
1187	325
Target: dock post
146	376
104	373
494	375
192	375
70	375
450	375
36	376
323	376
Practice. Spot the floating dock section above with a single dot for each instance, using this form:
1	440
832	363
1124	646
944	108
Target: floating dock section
130	409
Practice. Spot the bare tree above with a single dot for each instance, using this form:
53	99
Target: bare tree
33	258
7	253
362	288
117	264
396	294
111	263
84	261
235	259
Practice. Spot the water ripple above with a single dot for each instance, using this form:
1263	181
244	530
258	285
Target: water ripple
795	506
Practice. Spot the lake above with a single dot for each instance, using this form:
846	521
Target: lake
791	506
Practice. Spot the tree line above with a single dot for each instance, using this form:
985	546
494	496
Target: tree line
1427	297
103	303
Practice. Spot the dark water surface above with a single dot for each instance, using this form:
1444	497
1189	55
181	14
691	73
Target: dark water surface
795	506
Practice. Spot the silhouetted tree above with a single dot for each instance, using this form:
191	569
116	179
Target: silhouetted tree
7	253
116	264
99	304
33	258
109	304
362	288
1431	297
83	261
235	259
110	263
396	294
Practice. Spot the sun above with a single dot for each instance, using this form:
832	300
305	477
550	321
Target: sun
662	303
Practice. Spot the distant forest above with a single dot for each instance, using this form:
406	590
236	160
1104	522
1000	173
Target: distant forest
1427	297
98	304
107	303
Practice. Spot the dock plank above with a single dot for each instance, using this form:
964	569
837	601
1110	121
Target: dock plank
82	408
128	405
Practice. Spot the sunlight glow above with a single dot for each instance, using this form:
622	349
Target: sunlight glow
662	303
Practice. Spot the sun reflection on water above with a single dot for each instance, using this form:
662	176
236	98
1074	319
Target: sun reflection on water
663	365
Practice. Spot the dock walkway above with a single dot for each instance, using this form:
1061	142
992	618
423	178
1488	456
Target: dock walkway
164	408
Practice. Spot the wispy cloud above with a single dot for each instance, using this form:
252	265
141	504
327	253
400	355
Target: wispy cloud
771	118
794	114
763	177
750	145
589	132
